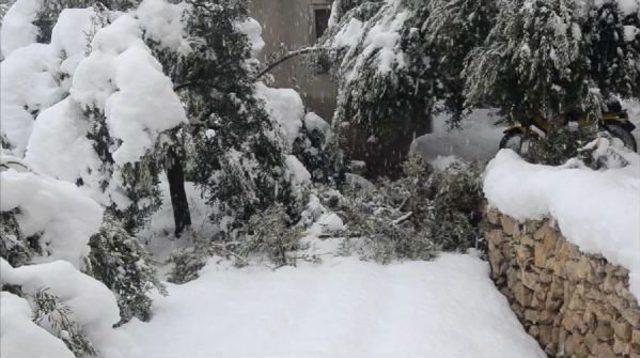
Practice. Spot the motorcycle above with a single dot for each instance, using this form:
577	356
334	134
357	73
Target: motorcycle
522	136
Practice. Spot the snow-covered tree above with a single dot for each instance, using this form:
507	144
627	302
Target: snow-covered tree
386	86
398	62
549	57
612	45
453	29
110	127
237	152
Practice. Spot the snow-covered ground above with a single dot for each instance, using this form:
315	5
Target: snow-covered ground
342	307
477	139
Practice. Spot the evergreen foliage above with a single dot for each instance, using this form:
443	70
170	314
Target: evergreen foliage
311	149
14	246
186	263
271	234
415	217
238	158
50	9
550	57
525	57
57	319
124	266
385	93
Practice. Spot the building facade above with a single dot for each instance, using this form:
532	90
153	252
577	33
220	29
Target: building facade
291	25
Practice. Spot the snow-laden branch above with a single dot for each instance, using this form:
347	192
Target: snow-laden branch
288	56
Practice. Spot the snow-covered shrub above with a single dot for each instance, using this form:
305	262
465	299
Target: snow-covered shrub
119	261
14	247
386	89
415	217
108	129
21	337
271	234
560	144
268	234
310	147
397	63
603	153
69	305
57	318
457	207
238	152
33	21
186	263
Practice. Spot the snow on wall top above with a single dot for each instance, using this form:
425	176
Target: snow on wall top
597	210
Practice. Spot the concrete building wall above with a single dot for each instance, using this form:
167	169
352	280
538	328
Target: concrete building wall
290	24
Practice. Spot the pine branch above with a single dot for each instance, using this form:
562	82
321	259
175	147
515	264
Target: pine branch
286	57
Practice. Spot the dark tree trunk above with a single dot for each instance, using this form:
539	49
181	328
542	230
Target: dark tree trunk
175	175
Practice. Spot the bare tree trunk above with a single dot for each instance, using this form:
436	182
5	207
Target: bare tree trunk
179	203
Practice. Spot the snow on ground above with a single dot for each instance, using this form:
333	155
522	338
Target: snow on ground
596	210
340	308
478	139
159	237
633	109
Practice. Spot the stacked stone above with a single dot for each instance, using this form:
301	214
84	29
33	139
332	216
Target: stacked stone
574	304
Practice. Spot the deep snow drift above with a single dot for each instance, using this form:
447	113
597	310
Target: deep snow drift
596	210
343	307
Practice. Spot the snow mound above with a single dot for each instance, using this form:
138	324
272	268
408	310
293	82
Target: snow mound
298	174
92	304
58	146
163	23
123	78
251	27
343	307
21	338
27	85
36	76
285	107
596	210
17	28
62	212
476	139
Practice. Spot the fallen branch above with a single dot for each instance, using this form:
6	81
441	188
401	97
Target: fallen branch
402	218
